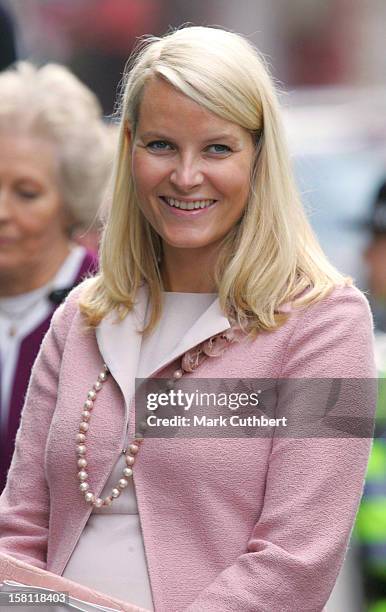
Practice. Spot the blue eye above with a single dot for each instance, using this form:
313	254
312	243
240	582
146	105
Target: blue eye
28	195
159	145
219	148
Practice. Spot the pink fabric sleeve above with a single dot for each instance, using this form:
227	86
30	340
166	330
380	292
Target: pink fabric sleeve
24	503
313	485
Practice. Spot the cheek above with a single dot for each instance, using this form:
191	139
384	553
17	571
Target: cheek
233	184
147	173
42	220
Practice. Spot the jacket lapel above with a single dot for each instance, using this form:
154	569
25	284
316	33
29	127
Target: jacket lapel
120	342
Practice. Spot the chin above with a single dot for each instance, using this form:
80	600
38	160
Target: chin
180	243
186	240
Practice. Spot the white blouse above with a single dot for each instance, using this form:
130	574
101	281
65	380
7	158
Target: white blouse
110	555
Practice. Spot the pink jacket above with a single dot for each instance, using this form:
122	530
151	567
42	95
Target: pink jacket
256	525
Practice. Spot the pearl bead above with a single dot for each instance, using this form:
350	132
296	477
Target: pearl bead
130	452
177	374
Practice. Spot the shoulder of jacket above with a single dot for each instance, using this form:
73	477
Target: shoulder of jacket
344	299
345	311
349	300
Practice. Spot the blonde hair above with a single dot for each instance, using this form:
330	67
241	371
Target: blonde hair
52	103
271	256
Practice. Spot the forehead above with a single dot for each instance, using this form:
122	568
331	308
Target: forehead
27	153
165	108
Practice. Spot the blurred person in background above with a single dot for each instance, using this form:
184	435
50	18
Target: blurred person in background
375	257
55	155
7	39
370	529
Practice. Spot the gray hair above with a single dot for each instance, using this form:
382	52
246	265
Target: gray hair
50	102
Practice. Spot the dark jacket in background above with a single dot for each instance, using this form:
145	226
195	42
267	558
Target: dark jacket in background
7	40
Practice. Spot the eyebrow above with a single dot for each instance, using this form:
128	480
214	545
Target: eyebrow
29	181
158	135
212	139
222	136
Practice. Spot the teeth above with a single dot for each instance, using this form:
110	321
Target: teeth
188	205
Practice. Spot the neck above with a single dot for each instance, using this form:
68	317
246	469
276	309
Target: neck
16	282
188	270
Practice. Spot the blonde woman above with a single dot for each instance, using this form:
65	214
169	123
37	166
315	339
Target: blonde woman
53	176
209	269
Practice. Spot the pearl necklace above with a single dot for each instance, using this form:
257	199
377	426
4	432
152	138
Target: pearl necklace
130	452
213	347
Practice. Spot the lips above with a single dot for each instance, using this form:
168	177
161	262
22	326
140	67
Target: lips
188	206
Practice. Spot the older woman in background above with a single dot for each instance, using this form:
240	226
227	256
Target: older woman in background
55	157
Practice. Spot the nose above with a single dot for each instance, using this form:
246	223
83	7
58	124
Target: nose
187	174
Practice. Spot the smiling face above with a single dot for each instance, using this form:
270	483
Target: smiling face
191	169
33	238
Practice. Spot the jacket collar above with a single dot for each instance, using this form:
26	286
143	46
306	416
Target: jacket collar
120	342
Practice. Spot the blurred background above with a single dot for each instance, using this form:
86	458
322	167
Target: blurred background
328	59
